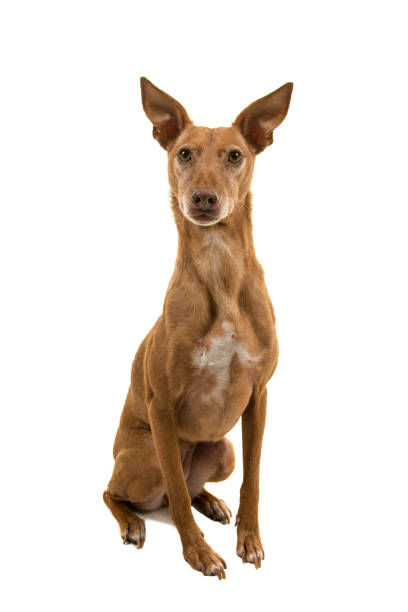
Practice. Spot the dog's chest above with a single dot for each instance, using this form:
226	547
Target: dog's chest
224	365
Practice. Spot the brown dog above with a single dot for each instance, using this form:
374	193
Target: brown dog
208	358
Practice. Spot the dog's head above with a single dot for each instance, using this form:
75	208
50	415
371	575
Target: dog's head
210	169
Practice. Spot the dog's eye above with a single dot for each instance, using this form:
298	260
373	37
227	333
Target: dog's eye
234	157
184	155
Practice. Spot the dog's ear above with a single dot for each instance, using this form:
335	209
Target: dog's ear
258	120
169	118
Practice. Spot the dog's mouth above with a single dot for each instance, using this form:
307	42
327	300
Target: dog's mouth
203	218
204	215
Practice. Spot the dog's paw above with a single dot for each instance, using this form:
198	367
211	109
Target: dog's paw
202	558
249	547
135	533
212	507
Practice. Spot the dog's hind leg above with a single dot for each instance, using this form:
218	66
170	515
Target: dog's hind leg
212	462
132	527
136	484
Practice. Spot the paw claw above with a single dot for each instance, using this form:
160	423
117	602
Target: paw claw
135	533
249	548
203	559
212	507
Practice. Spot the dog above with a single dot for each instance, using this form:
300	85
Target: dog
207	360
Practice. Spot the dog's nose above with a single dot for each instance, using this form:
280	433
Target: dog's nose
204	199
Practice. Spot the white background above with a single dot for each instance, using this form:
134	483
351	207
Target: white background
88	246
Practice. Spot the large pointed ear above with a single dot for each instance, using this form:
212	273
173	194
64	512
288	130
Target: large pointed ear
260	118
169	118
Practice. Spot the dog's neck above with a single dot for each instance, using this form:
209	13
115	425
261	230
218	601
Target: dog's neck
221	257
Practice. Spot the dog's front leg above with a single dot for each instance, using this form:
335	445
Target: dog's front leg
196	551
249	545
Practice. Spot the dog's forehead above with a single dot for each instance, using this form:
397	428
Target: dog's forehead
216	138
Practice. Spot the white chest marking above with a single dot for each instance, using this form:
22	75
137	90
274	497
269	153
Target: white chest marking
213	239
218	360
